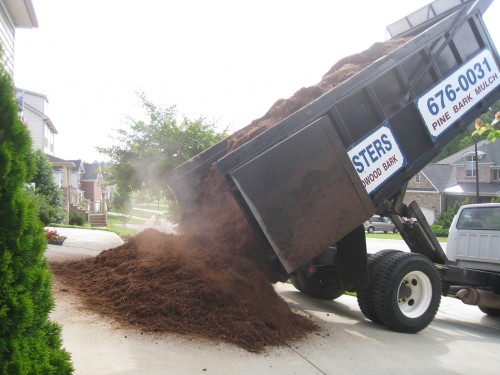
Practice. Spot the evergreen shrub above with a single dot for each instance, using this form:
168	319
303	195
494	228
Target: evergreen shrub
29	342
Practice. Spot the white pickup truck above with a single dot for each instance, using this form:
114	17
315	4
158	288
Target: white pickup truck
474	243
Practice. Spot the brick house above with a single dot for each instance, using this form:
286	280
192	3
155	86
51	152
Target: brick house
440	185
92	182
93	185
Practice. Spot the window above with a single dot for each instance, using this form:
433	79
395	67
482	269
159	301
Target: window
487	218
470	166
417	178
496	174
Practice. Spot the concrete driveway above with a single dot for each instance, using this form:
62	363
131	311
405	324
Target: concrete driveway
461	340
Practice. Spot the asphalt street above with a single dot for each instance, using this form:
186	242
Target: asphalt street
460	340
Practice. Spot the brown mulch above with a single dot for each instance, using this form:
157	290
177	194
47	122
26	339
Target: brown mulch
214	281
155	282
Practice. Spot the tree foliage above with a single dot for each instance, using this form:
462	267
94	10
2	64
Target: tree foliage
491	131
446	217
147	151
29	342
465	140
47	193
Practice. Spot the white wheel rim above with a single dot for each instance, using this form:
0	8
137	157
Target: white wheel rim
414	294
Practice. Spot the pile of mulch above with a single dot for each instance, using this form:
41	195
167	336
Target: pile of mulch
158	283
214	280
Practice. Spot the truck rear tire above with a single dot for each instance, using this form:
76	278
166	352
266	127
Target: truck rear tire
296	282
408	292
365	295
490	311
322	285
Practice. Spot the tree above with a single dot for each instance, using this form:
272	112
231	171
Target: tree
145	154
29	342
47	193
490	130
465	140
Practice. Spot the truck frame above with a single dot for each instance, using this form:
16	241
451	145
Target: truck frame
365	139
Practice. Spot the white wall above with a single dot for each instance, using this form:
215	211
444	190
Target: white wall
7	32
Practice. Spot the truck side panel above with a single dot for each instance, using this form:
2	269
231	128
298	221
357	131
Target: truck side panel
303	210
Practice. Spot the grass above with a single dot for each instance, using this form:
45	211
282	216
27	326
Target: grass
395	236
151	206
117	219
141	213
115	224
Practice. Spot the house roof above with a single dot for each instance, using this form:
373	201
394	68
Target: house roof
490	150
469	188
59	162
91	171
440	175
22	13
78	165
24	91
443	174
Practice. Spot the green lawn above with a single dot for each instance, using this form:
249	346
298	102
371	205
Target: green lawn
115	224
395	236
141	213
151	206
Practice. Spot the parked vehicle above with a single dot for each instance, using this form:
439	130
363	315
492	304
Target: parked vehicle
379	224
358	145
474	243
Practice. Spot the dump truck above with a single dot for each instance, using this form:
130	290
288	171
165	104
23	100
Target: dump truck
308	183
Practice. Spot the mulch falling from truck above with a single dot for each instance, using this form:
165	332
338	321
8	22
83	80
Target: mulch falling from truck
214	280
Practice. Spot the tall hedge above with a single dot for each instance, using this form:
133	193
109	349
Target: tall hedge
29	342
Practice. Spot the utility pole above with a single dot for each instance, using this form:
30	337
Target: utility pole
478	124
477	171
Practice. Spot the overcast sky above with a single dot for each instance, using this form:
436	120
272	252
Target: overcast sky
226	60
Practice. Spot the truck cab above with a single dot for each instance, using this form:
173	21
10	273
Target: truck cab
474	237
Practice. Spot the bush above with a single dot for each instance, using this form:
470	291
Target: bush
48	194
77	218
439	231
47	213
446	217
29	342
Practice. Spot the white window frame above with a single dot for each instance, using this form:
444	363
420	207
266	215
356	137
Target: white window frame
470	166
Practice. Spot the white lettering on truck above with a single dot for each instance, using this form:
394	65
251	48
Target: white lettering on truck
376	157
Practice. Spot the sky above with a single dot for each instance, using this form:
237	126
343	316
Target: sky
228	61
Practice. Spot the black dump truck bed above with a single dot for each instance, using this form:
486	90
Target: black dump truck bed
315	176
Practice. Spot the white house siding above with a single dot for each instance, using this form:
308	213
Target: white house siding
48	141
36	127
36	100
7	33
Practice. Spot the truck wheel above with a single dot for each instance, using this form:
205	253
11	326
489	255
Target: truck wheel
395	230
321	285
365	295
408	293
490	311
296	279
370	230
